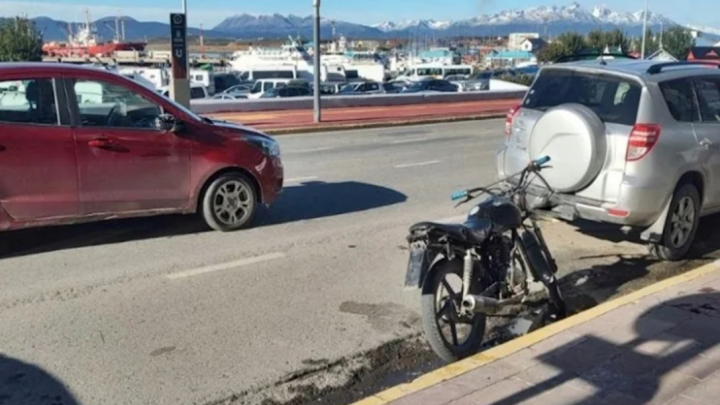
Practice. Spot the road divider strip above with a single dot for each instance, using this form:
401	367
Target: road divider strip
226	266
339	126
484	358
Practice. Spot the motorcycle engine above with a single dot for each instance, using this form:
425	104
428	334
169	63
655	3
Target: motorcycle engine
508	266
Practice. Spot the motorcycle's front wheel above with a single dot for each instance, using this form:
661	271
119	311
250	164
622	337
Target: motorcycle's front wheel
451	336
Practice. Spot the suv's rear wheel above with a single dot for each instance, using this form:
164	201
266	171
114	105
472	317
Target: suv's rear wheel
229	202
680	226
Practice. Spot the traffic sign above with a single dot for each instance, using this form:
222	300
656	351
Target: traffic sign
178	35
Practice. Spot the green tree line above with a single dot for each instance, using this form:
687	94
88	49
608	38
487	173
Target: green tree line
676	40
19	41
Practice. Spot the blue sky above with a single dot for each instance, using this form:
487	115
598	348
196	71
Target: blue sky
211	12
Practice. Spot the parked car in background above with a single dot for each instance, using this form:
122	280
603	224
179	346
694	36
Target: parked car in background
82	144
239	89
287	91
368	88
224	81
329	89
225	96
633	143
262	86
197	91
431	85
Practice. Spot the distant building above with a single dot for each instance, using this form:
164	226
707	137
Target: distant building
705	53
509	58
515	40
533	45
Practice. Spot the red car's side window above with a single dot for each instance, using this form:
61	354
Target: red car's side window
103	104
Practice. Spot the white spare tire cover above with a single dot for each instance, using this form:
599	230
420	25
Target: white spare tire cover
574	138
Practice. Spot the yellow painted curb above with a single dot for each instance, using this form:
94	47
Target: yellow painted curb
481	359
388	124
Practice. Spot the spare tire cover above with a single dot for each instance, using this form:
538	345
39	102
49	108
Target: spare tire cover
574	138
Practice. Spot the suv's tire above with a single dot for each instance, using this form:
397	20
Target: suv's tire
229	202
680	226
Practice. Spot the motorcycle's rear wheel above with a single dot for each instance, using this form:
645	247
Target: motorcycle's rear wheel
442	323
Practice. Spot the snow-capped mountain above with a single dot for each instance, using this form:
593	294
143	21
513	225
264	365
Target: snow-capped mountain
389	26
548	20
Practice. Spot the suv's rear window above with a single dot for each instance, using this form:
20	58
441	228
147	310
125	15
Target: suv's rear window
613	99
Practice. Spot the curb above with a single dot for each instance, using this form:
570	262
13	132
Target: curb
481	359
369	125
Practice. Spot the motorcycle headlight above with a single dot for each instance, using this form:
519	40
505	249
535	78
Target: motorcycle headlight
270	147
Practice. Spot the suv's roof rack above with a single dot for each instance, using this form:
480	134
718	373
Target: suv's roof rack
585	55
658	67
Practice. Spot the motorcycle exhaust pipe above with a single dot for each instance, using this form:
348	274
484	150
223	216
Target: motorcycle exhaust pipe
480	304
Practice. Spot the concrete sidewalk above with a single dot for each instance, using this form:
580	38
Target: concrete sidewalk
659	345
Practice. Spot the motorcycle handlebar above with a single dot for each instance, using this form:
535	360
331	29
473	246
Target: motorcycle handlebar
533	167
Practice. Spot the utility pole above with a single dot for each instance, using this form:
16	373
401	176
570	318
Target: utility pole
644	34
316	57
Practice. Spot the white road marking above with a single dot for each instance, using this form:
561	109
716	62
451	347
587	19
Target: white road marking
310	150
300	179
408	140
432	162
226	266
452	220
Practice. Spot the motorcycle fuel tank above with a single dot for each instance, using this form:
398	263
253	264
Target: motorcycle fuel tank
502	212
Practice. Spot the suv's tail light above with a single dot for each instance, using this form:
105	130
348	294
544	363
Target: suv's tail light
642	139
509	119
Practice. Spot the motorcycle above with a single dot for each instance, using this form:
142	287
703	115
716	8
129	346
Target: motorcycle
492	259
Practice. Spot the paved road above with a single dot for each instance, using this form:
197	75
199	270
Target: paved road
159	311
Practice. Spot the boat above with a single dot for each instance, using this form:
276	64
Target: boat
337	64
87	43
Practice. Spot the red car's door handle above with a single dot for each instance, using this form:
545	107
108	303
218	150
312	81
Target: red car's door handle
101	143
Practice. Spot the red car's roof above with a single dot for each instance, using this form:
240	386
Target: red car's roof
26	67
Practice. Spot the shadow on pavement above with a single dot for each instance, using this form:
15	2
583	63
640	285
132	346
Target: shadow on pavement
586	288
299	202
666	351
28	384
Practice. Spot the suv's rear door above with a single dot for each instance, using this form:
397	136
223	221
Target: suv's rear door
707	131
615	99
38	167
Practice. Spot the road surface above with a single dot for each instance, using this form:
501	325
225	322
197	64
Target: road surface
161	312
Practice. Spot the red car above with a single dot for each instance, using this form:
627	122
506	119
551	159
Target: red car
82	144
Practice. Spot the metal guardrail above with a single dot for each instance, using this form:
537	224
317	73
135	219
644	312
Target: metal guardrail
304	103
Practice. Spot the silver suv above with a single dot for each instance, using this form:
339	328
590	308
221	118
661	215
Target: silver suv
632	142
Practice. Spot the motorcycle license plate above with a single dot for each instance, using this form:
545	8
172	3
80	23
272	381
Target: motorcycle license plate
417	266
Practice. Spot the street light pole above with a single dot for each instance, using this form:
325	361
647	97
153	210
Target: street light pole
644	35
184	7
316	63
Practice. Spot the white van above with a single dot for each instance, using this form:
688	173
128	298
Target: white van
204	77
197	91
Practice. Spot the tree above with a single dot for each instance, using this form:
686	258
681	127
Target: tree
20	41
652	44
617	39
597	40
569	43
677	41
